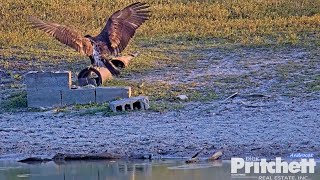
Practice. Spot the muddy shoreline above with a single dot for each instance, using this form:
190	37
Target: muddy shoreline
234	128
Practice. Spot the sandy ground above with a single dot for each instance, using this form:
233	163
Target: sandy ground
275	113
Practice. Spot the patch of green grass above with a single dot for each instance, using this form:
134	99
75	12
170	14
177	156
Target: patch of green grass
314	86
242	21
206	95
15	101
163	91
88	109
156	90
103	109
164	106
287	70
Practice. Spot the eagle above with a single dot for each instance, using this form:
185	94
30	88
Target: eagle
112	40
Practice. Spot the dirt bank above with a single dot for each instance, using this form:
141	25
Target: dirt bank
276	112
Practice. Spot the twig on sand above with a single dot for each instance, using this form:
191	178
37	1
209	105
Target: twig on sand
231	96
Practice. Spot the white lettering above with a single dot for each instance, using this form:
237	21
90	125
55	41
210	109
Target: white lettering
294	167
277	166
236	163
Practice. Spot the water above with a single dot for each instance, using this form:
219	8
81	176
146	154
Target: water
127	170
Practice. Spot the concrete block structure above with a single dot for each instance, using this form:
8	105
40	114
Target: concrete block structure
43	98
104	94
48	80
53	89
134	103
78	96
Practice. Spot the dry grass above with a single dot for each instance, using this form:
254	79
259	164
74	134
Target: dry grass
175	23
242	21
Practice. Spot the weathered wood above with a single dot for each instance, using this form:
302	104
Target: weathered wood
215	156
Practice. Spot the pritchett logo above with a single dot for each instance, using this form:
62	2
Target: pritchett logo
262	166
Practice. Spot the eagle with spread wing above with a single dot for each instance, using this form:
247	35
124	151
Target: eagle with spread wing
112	40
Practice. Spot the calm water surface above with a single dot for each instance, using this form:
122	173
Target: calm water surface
127	170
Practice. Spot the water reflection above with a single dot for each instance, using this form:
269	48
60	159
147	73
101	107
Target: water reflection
118	170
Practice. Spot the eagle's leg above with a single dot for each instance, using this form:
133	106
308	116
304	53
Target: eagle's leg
98	62
92	60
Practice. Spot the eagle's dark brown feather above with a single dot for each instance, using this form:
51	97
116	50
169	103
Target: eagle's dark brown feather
65	35
121	27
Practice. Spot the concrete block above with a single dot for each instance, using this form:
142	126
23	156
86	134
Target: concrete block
48	80
134	103
105	94
78	96
43	98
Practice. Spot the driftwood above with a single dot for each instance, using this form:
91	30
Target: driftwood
31	160
194	158
60	157
100	156
215	156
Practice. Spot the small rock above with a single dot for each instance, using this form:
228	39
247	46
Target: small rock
182	97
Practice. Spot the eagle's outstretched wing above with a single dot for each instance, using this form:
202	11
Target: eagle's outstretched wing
64	34
121	27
